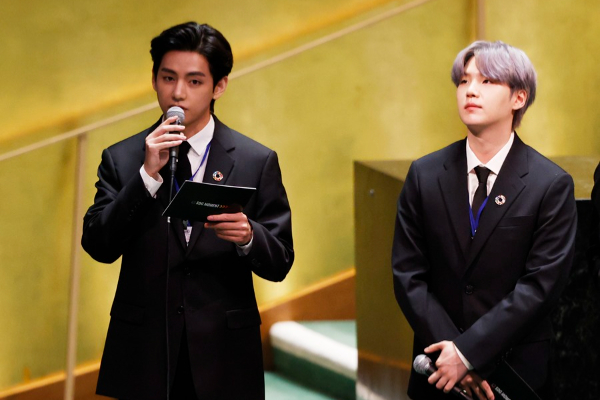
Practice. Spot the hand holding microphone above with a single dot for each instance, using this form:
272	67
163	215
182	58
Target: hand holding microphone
472	380
424	366
160	142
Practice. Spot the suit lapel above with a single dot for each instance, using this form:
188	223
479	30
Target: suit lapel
219	161
453	185
508	184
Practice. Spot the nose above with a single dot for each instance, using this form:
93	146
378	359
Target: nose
472	89
179	90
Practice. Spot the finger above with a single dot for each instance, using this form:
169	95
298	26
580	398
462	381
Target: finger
433	378
166	137
487	389
164	145
467	381
230	234
170	121
449	385
227	226
479	393
441	383
165	130
225	217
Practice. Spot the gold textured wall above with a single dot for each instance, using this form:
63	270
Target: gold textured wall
382	92
562	39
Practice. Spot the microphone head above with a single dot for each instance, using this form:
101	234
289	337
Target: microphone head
176	112
422	364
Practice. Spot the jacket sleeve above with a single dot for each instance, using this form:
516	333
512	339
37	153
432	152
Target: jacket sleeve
110	222
536	292
272	251
427	317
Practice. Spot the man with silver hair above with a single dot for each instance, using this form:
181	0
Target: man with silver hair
484	237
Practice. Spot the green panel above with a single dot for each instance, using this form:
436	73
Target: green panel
278	387
343	332
314	376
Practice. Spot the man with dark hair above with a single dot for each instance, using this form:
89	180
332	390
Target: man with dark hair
484	238
184	321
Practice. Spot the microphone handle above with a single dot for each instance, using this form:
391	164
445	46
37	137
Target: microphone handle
174	154
173	157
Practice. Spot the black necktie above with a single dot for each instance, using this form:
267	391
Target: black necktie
184	170
481	192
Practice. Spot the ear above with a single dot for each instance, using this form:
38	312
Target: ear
519	99
153	81
220	87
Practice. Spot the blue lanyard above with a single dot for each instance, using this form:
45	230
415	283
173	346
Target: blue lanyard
197	169
475	221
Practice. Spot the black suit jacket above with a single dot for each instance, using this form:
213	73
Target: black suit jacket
596	190
492	294
210	290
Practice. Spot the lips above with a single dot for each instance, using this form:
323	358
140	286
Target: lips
472	106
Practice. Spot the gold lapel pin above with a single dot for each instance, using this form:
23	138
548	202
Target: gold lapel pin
500	200
218	176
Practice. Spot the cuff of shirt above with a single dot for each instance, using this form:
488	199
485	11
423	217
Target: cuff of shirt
463	359
245	249
152	185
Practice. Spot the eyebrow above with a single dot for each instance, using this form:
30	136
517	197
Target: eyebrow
193	73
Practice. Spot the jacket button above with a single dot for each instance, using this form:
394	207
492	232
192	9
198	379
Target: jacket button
180	310
469	289
186	270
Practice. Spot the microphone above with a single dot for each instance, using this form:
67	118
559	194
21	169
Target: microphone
174	152
424	366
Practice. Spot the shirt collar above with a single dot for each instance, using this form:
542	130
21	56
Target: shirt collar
495	163
200	140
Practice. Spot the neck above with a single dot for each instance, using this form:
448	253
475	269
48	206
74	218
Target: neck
486	144
192	130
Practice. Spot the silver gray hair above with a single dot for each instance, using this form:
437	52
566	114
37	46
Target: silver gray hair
502	63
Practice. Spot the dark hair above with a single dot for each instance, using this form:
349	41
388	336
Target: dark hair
202	39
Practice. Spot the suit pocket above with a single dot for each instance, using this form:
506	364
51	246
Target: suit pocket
127	312
525	220
238	319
